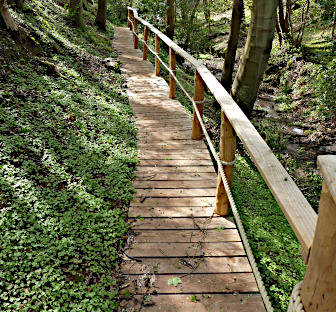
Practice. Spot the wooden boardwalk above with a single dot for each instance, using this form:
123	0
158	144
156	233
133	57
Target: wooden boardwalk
177	235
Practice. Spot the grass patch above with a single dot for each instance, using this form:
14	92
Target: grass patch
68	153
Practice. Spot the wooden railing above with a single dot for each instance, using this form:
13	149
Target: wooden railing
294	205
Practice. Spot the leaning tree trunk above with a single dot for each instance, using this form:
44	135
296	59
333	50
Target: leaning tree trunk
76	12
101	14
6	18
170	30
256	54
230	55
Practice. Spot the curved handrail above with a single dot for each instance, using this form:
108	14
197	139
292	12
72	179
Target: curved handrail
294	205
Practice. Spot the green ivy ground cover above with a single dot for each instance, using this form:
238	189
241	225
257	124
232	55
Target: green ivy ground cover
67	158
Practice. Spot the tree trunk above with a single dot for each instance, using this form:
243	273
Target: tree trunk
288	18
76	12
191	22
207	13
170	19
281	17
6	18
304	17
101	14
16	3
257	52
230	55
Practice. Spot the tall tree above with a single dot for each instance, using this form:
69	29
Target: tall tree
256	54
76	12
207	14
230	54
101	14
6	18
170	19
191	22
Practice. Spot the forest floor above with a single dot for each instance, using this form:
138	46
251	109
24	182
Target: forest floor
67	160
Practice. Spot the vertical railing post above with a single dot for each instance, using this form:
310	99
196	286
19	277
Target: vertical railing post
227	151
135	37
157	51
318	290
172	81
197	132
144	55
128	19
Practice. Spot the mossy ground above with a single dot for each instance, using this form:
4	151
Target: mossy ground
68	152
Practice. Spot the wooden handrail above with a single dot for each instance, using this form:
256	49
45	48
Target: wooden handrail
294	205
319	284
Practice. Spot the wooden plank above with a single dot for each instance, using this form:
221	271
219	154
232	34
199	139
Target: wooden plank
177	155
217	223
185	176
171	135
319	284
204	283
174	202
205	303
146	250
178	169
187	265
156	211
175	192
175	184
186	145
178	162
327	164
183	236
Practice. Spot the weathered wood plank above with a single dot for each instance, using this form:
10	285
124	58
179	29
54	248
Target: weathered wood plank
175	184
206	303
171	162
175	192
146	250
182	223
187	265
171	212
174	202
327	164
177	155
191	236
176	169
204	283
185	176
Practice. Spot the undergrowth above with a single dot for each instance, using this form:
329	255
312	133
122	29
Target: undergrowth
68	152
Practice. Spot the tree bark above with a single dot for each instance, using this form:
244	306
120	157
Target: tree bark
76	12
6	18
257	52
191	21
230	55
170	30
101	14
207	13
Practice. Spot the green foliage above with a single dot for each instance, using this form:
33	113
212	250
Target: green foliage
325	88
67	160
272	240
174	281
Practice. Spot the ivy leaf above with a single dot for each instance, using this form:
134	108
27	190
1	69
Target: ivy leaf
174	281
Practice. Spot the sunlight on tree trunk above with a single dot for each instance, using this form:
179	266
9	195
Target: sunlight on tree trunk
101	14
256	54
170	19
230	55
6	18
76	12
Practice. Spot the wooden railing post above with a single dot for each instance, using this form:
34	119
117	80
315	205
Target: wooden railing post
172	82
157	51
144	55
227	154
318	291
135	38
197	132
129	24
